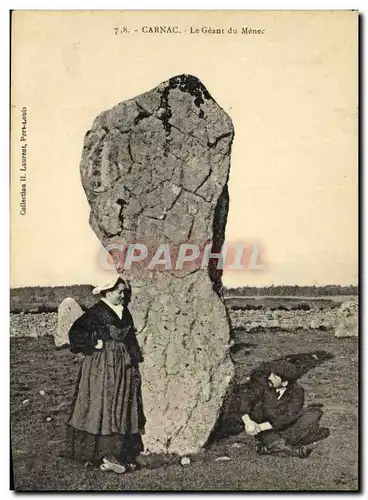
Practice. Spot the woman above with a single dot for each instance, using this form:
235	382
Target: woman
107	419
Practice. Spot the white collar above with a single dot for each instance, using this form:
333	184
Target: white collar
118	308
280	391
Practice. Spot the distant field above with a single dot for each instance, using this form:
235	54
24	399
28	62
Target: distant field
47	299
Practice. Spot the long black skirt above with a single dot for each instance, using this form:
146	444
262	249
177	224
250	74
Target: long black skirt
107	411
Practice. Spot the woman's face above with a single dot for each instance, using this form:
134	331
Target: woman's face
116	296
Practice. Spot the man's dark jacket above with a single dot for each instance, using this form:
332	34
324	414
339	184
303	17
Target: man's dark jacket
100	322
261	403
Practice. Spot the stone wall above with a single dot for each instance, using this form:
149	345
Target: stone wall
283	320
38	325
33	325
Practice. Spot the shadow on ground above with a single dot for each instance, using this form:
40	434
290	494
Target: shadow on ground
243	346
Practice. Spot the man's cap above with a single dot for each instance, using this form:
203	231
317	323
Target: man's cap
285	370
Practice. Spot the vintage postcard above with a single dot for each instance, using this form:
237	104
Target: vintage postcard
184	251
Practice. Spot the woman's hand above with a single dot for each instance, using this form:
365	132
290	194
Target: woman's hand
79	357
99	344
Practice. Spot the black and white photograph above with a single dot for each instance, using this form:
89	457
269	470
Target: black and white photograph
184	296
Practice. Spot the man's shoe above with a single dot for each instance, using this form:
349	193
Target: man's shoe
315	436
284	450
304	451
261	450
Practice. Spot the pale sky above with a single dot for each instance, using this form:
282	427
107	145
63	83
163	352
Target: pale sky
292	96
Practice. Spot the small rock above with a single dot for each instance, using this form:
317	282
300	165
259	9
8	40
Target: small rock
185	461
236	445
48	419
274	323
222	459
25	402
287	324
314	356
42	392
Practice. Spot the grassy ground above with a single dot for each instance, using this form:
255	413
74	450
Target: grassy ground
36	442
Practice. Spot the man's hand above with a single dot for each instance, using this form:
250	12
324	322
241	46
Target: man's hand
251	427
99	344
265	426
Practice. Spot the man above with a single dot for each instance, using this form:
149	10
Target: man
273	412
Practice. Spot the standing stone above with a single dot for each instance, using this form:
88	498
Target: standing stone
155	170
68	312
347	319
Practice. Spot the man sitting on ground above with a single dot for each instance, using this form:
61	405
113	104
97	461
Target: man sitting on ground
273	412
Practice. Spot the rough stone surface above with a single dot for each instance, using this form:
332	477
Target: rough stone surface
347	319
155	171
68	312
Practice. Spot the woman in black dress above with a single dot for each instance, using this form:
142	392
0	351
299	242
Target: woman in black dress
107	419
